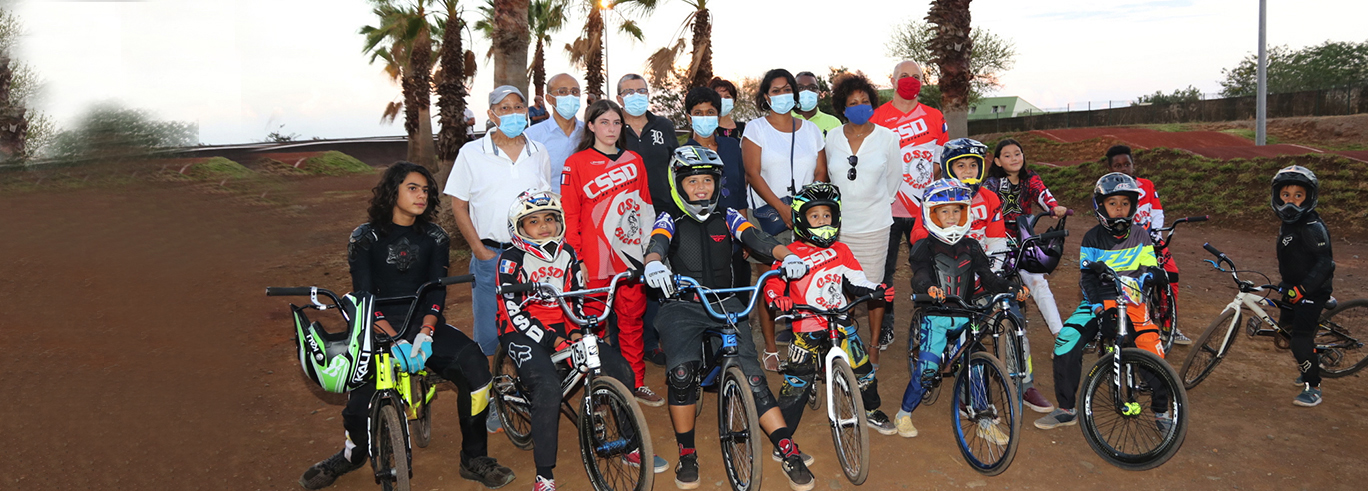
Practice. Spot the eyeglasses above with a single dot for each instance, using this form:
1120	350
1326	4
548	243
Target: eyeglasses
566	91
812	87
852	160
627	92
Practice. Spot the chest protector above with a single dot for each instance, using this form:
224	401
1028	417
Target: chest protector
955	273
703	251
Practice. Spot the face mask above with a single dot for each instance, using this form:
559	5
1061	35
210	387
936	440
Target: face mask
908	88
704	126
727	105
635	104
782	103
567	106
860	114
512	125
807	100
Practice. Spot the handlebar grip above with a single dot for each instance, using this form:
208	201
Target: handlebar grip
1213	250
633	274
1052	235
1202	218
1098	267
452	280
1069	212
287	291
518	288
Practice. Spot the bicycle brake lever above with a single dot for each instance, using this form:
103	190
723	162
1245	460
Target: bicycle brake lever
313	297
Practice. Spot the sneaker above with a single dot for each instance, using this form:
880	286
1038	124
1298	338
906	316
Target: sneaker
1180	339
544	484
322	474
686	471
771	360
988	430
492	422
1298	381
486	471
886	333
1310	396
656	356
879	421
1037	402
658	465
1057	418
799	477
807	459
904	424
645	396
1163	421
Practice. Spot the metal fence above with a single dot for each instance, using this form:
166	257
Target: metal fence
1327	102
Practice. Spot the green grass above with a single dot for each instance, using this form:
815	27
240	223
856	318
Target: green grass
216	168
1248	134
1168	127
335	163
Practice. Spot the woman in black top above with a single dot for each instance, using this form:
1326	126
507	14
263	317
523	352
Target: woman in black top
393	253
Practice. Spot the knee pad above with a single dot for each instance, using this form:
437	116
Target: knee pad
797	377
683	380
764	399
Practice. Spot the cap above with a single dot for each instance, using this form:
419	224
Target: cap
502	91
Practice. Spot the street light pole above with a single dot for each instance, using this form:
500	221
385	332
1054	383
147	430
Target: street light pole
1261	109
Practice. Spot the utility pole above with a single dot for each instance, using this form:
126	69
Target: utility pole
1261	108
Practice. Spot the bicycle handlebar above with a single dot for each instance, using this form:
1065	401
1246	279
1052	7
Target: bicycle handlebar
686	282
287	291
452	280
548	291
926	298
312	292
1213	250
827	313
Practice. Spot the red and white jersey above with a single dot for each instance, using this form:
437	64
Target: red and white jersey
607	210
830	271
987	226
922	133
1149	213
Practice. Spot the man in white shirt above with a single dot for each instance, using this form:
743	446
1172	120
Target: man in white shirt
562	133
470	121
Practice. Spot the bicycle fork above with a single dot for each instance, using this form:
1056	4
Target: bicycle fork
833	354
1126	405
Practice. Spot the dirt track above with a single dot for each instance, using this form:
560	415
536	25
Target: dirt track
144	355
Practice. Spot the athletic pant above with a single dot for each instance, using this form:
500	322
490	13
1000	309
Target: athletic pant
629	308
455	358
900	231
1082	327
928	349
1304	320
682	327
804	352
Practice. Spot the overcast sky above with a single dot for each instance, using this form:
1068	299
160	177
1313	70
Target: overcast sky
241	68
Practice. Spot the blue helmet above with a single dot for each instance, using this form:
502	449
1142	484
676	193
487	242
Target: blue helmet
945	192
963	148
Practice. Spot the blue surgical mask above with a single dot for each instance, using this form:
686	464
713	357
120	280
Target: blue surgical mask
512	125
807	100
567	106
782	103
704	126
860	114
635	104
727	105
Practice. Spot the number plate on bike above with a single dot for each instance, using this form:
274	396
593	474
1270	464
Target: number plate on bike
585	355
1131	287
728	340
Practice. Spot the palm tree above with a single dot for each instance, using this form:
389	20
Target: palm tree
511	36
700	70
456	67
950	46
543	18
408	60
587	51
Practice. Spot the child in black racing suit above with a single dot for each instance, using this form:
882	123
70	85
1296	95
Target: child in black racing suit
1307	266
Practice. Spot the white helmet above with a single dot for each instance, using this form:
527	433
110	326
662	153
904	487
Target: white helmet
945	192
533	201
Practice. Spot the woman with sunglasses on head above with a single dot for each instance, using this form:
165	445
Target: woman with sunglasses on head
865	162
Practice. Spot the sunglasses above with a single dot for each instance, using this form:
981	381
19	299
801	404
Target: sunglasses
852	160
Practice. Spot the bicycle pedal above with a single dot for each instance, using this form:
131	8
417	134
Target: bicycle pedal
1252	327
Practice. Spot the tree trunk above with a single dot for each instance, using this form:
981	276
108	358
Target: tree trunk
702	45
593	63
451	94
950	46
418	100
510	43
539	69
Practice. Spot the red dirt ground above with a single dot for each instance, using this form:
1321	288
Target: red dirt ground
144	355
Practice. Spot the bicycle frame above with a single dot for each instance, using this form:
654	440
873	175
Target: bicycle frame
725	357
1129	408
974	327
834	351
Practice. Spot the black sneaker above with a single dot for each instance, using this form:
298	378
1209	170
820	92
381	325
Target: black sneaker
486	471
656	356
799	477
322	474
886	332
686	472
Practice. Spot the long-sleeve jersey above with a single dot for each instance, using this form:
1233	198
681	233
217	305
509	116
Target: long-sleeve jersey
541	321
1132	256
607	204
922	134
832	273
987	227
958	269
1021	198
703	250
1149	213
1305	258
396	263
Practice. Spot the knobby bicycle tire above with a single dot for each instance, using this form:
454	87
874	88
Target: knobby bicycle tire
851	442
986	383
739	434
1348	319
393	453
1208	351
1099	387
610	406
513	401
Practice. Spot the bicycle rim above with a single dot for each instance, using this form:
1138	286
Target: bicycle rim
1007	348
849	433
613	433
421	428
1139	440
1207	352
513	401
738	427
392	468
1341	337
984	410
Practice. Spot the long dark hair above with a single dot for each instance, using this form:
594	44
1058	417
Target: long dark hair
385	195
997	171
595	110
761	101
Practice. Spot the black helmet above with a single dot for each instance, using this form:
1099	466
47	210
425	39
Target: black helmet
960	148
817	194
1301	176
1110	185
692	160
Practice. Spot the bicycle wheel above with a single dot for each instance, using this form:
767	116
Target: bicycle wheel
612	428
1210	348
1163	308
1341	335
392	469
513	401
1124	424
738	430
849	432
1008	349
421	428
986	415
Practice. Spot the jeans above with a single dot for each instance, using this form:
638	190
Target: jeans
483	301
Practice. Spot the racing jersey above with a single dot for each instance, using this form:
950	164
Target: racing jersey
1131	256
395	263
832	272
921	133
703	250
1020	199
1149	213
541	321
1305	257
987	227
607	204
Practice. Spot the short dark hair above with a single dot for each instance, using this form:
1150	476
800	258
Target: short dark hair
848	85
386	193
595	110
996	170
1119	150
699	95
760	100
805	74
719	82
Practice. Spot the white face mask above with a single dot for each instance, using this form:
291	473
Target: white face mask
727	105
